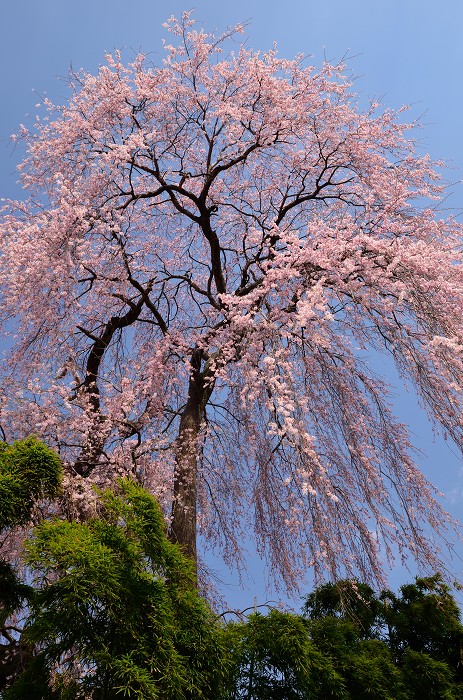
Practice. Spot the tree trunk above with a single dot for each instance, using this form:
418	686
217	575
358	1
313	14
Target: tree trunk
184	507
183	525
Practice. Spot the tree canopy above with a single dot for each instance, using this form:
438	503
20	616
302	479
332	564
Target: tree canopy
115	610
352	643
29	471
209	251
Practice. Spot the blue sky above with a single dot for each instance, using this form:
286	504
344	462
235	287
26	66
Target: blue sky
405	51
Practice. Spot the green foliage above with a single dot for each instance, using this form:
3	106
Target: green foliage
116	609
424	618
274	658
429	679
114	612
413	639
352	644
29	470
12	591
349	600
365	665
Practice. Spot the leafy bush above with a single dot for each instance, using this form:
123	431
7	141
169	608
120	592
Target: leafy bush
116	610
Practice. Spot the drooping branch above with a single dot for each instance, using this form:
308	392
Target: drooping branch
270	236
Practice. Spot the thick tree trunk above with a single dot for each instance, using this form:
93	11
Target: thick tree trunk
183	525
184	507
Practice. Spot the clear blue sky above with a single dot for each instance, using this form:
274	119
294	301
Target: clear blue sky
406	51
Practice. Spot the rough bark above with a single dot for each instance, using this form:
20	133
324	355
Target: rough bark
184	507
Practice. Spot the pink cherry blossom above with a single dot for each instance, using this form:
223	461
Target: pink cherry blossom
209	251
